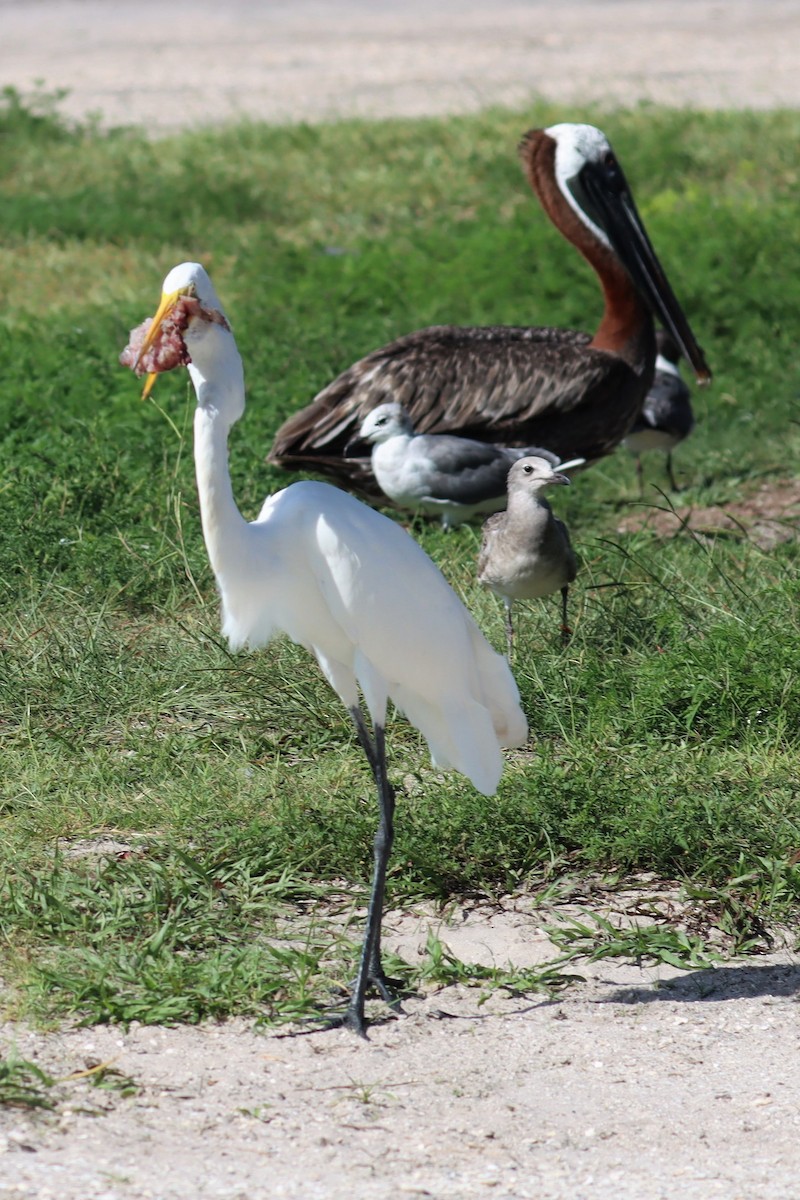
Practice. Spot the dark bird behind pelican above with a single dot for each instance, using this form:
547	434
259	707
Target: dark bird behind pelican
666	418
574	393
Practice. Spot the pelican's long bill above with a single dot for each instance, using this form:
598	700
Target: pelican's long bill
602	191
168	302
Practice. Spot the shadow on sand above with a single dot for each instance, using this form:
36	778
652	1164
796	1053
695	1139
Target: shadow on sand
715	983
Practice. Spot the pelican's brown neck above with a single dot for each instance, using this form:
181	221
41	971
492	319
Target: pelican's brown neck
626	327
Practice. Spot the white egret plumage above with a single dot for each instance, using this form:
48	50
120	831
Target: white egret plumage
439	474
526	551
343	581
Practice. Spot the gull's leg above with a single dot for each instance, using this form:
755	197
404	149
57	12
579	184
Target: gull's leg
670	474
509	631
566	632
640	475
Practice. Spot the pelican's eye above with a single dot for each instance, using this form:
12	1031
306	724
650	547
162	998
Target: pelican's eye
612	171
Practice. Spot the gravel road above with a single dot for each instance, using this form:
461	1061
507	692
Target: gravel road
193	61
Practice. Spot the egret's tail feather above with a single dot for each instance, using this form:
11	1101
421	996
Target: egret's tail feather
459	736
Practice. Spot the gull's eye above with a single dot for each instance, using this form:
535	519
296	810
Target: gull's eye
528	469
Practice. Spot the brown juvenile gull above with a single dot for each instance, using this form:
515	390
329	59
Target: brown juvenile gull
526	552
666	417
439	474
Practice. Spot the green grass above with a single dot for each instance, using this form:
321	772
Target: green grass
664	737
24	1085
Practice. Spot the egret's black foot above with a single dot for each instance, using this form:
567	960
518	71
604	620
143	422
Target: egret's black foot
353	1017
349	1019
383	986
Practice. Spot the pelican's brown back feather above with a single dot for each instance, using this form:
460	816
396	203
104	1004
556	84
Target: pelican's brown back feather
506	384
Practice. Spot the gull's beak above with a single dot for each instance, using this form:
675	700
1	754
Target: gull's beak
557	478
357	448
168	301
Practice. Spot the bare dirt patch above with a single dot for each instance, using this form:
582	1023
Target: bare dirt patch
767	516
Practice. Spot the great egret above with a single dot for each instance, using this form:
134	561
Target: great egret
439	474
345	582
666	417
526	552
574	393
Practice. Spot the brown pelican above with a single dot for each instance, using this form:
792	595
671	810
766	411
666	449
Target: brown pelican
571	392
666	417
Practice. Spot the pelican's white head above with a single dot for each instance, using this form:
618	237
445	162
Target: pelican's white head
576	147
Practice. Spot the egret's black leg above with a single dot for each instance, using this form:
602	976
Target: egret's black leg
670	474
509	631
364	738
370	970
566	632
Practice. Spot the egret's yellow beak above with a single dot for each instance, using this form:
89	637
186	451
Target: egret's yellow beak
168	302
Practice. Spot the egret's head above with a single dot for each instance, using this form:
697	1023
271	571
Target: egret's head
188	316
190	279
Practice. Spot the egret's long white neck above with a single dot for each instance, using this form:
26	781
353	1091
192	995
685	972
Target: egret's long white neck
220	402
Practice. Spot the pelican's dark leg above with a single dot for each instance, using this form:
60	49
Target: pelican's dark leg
370	970
566	632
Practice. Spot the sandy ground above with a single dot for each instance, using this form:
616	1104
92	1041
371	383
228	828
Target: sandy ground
637	1083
